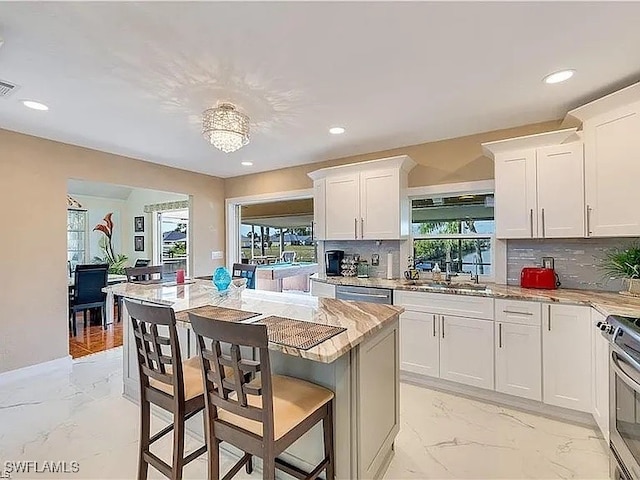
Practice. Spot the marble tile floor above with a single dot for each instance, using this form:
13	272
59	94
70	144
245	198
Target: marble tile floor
80	415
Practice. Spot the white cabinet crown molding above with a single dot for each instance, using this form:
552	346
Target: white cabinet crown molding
613	101
491	149
402	162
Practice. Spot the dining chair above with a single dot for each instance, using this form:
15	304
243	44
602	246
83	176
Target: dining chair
144	274
168	383
89	280
289	256
261	417
242	270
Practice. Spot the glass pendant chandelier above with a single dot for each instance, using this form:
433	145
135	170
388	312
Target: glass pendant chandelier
225	127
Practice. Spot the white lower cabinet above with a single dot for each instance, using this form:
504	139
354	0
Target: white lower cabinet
542	352
600	386
519	360
419	343
566	356
466	350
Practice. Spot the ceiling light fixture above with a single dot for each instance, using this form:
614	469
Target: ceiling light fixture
247	164
336	130
225	127
557	77
35	105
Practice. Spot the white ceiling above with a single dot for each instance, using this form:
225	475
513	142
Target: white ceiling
133	78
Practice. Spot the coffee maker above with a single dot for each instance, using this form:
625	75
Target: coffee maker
333	261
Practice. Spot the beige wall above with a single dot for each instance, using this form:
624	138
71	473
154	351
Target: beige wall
33	187
447	161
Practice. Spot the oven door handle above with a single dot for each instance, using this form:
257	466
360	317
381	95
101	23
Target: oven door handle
619	358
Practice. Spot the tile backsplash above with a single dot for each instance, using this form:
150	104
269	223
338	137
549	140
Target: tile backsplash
366	249
577	261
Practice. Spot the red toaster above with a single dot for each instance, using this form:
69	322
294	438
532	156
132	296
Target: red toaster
536	277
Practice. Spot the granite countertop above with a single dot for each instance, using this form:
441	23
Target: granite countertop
360	319
607	303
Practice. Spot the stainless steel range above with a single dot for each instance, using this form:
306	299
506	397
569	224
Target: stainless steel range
624	390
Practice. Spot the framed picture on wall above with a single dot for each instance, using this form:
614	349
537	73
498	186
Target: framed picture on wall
138	224
138	243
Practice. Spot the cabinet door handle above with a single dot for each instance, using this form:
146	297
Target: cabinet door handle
588	220
434	325
355	228
513	312
531	222
361	227
499	335
543	229
442	324
549	317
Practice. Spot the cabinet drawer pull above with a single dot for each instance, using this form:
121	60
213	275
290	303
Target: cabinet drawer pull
355	228
499	335
549	318
434	325
543	232
513	312
442	325
588	220
362	228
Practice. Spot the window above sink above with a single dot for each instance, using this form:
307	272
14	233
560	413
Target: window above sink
454	230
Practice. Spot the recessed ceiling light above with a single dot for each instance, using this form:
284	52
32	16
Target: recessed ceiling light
557	77
336	130
34	105
247	164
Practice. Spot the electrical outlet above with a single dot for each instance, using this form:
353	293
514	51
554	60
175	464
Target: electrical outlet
217	255
375	260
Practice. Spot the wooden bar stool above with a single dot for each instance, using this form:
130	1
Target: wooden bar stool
167	382
262	417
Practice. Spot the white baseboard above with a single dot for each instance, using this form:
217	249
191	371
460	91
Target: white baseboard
497	398
37	369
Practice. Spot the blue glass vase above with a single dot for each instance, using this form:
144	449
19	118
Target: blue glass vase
221	279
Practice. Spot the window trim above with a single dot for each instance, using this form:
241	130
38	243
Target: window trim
454	189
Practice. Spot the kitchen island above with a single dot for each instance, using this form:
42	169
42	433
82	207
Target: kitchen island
361	365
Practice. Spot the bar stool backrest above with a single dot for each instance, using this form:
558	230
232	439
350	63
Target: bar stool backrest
230	393
242	270
158	355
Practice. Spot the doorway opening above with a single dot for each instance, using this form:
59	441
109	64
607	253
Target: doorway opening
172	241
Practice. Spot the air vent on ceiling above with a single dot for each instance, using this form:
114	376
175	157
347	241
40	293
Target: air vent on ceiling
6	88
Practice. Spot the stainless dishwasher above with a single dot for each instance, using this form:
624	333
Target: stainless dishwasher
364	294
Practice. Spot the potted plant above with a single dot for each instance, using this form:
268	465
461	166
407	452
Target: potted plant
624	263
115	261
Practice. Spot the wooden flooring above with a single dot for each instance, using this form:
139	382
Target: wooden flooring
94	339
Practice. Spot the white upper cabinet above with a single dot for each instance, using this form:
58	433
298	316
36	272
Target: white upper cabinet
364	201
560	175
539	186
342	207
382	213
611	127
515	194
